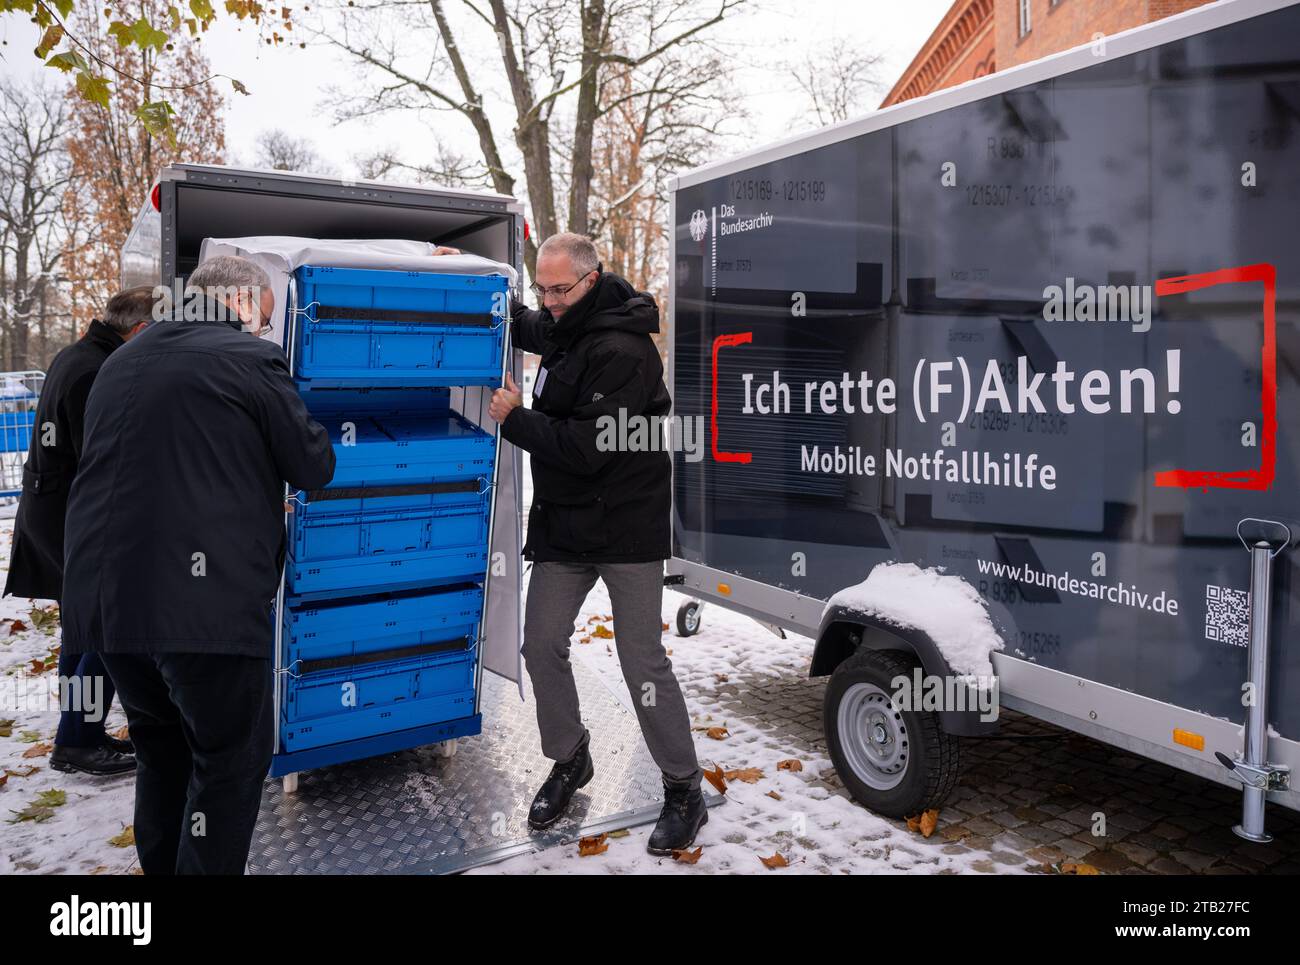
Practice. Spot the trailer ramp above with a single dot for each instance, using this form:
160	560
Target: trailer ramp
417	812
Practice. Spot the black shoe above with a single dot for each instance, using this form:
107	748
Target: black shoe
119	745
553	798
680	821
100	761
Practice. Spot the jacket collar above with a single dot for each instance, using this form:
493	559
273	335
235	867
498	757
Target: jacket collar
102	335
201	310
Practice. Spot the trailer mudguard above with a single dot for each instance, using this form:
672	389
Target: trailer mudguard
844	631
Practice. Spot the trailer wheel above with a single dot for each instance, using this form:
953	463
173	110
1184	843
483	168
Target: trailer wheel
894	762
688	618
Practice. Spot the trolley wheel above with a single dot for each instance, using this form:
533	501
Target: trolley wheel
688	618
290	783
448	748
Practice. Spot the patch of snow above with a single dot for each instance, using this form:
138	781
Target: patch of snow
944	606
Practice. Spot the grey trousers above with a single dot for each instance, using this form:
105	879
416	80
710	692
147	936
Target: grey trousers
556	592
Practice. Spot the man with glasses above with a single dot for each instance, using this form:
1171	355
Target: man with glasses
175	542
600	511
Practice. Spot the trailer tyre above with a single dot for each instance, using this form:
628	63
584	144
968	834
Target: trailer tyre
688	618
894	762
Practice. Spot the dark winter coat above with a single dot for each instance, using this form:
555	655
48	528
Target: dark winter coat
175	529
36	562
591	505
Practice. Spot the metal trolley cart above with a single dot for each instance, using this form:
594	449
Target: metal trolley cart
381	604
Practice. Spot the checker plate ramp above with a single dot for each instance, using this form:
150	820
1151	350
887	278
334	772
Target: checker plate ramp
417	812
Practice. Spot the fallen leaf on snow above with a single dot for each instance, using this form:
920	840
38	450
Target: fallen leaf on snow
791	764
776	861
929	821
17	627
603	632
717	778
124	840
592	846
52	798
27	771
925	822
774	796
38	750
750	775
34	813
688	857
717	733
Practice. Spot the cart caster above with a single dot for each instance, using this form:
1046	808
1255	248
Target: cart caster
290	783
448	748
688	618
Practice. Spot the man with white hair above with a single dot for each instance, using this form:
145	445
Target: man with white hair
599	512
175	542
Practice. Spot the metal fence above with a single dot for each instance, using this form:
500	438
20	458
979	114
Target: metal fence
18	394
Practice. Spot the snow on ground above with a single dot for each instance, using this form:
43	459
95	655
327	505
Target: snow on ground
816	829
74	837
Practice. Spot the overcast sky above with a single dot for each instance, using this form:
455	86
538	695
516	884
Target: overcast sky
290	87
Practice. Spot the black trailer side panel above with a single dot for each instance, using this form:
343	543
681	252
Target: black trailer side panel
938	240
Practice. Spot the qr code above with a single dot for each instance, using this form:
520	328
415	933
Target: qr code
1227	615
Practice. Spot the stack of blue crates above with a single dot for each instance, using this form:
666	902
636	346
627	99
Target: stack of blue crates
384	575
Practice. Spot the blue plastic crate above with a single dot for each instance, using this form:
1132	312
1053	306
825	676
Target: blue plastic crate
392	450
373	543
382	624
367	327
348	703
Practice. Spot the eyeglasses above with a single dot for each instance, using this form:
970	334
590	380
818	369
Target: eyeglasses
556	290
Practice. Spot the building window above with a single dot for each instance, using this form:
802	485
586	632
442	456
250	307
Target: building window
1024	17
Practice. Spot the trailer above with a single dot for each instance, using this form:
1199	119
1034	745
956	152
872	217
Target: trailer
434	771
1039	332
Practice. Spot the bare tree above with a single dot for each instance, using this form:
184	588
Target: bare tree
34	171
838	81
280	151
547	51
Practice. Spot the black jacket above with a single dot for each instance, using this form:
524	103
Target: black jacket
592	504
36	562
175	531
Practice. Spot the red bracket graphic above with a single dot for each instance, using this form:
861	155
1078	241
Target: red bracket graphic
740	338
1261	478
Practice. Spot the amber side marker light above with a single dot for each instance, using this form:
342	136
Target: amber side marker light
1185	737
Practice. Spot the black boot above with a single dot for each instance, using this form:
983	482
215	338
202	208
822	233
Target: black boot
119	745
101	761
683	815
553	798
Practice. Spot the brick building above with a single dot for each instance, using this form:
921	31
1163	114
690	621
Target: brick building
977	37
